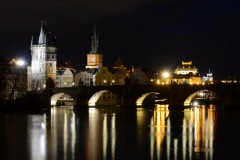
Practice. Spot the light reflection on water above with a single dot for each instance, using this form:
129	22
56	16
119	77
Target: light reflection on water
113	133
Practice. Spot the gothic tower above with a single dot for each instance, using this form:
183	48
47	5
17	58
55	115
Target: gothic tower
94	59
44	58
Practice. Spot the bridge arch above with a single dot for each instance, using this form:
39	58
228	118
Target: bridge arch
103	98
204	93
57	96
140	100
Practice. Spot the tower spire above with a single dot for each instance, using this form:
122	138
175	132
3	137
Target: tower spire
32	40
41	39
94	44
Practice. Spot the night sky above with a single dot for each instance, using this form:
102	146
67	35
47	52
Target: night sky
155	34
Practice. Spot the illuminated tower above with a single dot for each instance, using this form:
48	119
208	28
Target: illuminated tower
94	59
44	58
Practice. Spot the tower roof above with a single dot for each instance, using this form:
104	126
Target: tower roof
45	36
42	37
94	43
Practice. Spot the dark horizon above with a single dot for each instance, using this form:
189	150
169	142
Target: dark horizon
157	34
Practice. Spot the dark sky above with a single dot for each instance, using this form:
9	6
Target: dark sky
143	33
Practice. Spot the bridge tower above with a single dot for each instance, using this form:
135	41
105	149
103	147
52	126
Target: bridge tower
94	59
44	58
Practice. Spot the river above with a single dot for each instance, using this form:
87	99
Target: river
66	133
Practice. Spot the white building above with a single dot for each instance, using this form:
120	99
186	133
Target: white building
44	59
85	77
65	78
208	79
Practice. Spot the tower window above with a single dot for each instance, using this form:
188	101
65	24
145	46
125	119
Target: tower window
52	56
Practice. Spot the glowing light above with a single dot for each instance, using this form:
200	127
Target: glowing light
165	74
195	103
20	62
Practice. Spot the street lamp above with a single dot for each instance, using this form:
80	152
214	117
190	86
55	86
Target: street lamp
20	62
165	74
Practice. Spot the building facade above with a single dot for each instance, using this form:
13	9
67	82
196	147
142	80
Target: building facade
138	76
208	79
104	78
186	73
65	78
44	59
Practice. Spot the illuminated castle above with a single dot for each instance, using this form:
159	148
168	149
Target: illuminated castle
44	59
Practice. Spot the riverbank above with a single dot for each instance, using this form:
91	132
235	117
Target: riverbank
28	103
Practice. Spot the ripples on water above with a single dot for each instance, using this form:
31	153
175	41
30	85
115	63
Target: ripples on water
116	133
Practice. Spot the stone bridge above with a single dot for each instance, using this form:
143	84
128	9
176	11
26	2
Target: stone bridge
177	95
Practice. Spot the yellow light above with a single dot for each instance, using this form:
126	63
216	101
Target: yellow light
165	74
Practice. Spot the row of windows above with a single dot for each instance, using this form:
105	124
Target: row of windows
41	56
108	97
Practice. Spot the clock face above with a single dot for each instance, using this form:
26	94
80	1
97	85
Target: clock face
92	59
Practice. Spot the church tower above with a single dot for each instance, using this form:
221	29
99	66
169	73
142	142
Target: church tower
94	59
44	58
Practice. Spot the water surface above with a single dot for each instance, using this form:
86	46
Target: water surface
117	133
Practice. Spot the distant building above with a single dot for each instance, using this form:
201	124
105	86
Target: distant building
85	77
13	79
44	59
104	77
120	72
94	59
186	73
65	78
230	79
138	76
208	79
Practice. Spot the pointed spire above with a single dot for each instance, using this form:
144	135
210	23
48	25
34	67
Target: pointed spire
41	39
94	44
32	40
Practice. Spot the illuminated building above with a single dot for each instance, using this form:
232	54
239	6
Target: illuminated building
104	78
208	79
44	59
186	73
84	77
230	79
65	78
94	59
